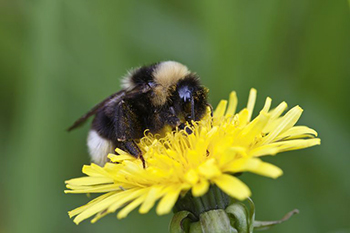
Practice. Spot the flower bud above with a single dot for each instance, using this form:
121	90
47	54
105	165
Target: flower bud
212	213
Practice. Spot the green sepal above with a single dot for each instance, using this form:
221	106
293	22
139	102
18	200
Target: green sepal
239	217
251	218
196	227
180	223
263	225
216	221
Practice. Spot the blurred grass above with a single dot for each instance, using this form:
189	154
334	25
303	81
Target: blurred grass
58	58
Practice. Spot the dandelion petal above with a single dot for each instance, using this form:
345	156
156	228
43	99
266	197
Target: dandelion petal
168	201
233	186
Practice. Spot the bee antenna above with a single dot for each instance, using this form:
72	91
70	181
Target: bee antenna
192	109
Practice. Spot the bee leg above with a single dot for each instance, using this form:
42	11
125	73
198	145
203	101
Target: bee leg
143	161
183	126
173	121
170	117
134	150
127	128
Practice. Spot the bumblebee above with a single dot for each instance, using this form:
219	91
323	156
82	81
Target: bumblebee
155	97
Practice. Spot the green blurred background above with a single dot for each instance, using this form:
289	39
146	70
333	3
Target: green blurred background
60	57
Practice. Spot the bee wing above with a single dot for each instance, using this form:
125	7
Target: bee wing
111	101
116	97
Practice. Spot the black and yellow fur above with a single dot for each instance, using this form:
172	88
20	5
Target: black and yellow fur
161	95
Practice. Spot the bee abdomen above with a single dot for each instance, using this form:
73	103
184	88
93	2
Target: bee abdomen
99	147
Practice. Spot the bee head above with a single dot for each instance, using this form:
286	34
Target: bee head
191	98
165	76
170	84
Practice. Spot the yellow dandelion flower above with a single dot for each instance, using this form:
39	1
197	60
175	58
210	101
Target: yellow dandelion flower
219	146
